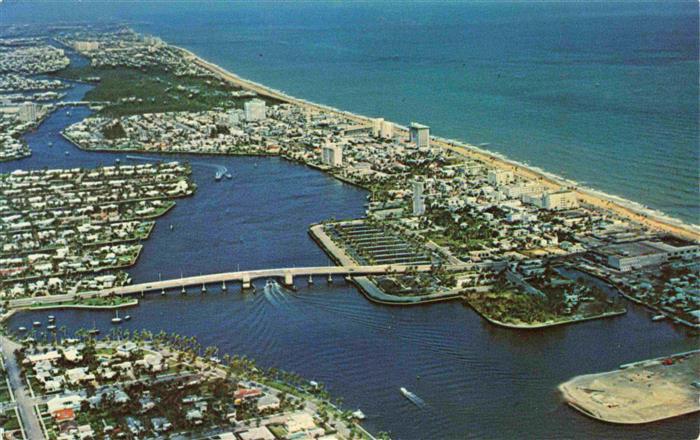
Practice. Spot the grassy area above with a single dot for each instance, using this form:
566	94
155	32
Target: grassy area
8	421
5	394
134	91
468	234
511	306
90	302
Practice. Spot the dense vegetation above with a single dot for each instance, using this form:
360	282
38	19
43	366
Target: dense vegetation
135	91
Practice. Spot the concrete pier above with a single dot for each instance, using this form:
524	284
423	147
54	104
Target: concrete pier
245	281
288	278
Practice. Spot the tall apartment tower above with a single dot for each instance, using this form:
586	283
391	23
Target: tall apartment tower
332	155
28	111
254	110
419	134
418	198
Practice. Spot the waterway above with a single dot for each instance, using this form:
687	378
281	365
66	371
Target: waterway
477	380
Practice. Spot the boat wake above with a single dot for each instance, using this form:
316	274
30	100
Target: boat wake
420	403
273	293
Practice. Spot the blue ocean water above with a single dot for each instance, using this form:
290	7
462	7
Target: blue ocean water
602	93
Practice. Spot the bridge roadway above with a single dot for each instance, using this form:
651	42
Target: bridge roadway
245	277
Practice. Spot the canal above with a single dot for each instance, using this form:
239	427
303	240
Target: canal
477	380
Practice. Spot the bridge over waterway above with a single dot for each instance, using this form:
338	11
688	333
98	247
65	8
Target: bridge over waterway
244	277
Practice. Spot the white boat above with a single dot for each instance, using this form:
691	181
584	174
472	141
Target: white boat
127	318
412	397
228	176
52	318
51	327
22	329
36	324
658	317
116	319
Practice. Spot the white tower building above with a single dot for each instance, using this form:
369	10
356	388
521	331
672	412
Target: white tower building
332	155
419	134
28	112
255	110
418	198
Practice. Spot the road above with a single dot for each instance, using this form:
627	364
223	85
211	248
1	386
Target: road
25	403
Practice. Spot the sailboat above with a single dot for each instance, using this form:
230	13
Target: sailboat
116	319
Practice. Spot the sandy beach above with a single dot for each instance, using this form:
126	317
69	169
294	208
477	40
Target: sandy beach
615	205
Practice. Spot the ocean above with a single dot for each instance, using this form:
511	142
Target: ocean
602	93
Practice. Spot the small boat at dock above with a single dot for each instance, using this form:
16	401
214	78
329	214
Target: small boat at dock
51	327
116	319
22	329
94	331
36	324
658	317
52	318
127	318
228	176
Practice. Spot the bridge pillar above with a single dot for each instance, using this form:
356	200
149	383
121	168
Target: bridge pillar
246	281
288	278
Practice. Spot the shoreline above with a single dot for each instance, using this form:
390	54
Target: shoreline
602	396
47	306
364	284
631	210
544	324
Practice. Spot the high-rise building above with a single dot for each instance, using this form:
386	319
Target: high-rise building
382	129
499	177
419	134
377	126
254	110
332	155
560	200
28	111
84	46
418	198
